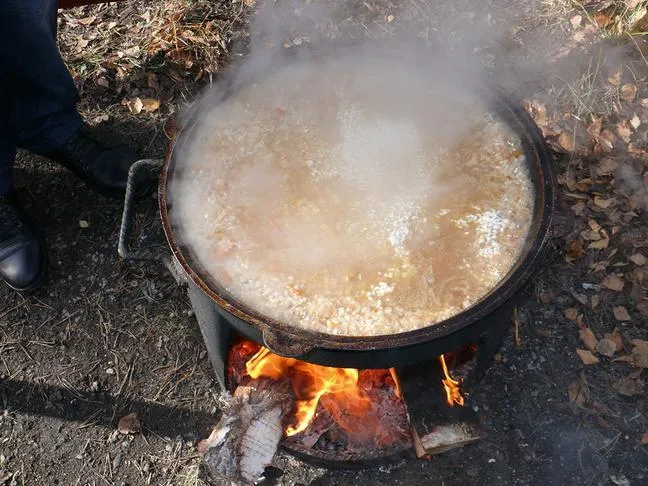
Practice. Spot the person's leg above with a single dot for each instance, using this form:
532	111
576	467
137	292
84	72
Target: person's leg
7	147
42	113
22	252
42	117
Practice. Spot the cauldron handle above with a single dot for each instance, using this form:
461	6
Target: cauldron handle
286	345
140	174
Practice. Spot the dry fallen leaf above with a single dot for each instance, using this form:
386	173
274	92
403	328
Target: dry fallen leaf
571	313
642	307
567	141
575	250
621	313
600	244
638	259
135	105
640	353
614	78
575	21
83	224
624	131
578	392
630	385
607	166
150	104
635	121
606	140
628	92
615	336
129	424
588	339
613	282
602	202
587	357
606	347
87	20
644	439
579	207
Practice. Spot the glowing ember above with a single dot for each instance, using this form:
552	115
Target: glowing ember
453	393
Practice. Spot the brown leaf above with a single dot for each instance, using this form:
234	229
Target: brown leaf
639	353
595	301
630	385
135	105
614	78
606	140
600	244
603	203
587	357
644	439
638	259
607	166
606	347
624	131
578	392
613	282
579	207
571	313
594	128
628	92
615	337
567	141
129	424
87	20
588	339
621	314
603	18
575	250
150	104
642	307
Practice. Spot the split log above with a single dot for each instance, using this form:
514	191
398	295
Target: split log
246	438
436	427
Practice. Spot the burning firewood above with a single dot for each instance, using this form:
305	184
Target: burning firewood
246	438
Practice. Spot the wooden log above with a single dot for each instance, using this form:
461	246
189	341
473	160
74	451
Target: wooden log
436	427
246	438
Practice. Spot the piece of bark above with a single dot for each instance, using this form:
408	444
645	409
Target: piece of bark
436	426
247	437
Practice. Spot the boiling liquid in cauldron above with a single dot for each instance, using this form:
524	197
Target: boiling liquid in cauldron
353	198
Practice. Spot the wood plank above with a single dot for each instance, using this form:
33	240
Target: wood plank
436	426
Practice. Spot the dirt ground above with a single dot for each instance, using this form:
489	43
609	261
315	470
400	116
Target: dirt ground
102	339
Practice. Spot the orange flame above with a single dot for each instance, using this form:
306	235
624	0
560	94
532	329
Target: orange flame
337	389
310	383
453	392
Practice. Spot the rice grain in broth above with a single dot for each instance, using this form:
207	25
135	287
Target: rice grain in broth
354	199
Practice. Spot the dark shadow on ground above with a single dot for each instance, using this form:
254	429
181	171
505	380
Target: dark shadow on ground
99	408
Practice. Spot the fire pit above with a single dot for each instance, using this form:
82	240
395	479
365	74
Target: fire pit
318	385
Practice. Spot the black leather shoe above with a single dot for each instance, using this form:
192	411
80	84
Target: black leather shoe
23	257
102	166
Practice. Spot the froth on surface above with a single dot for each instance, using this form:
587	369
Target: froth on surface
353	198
